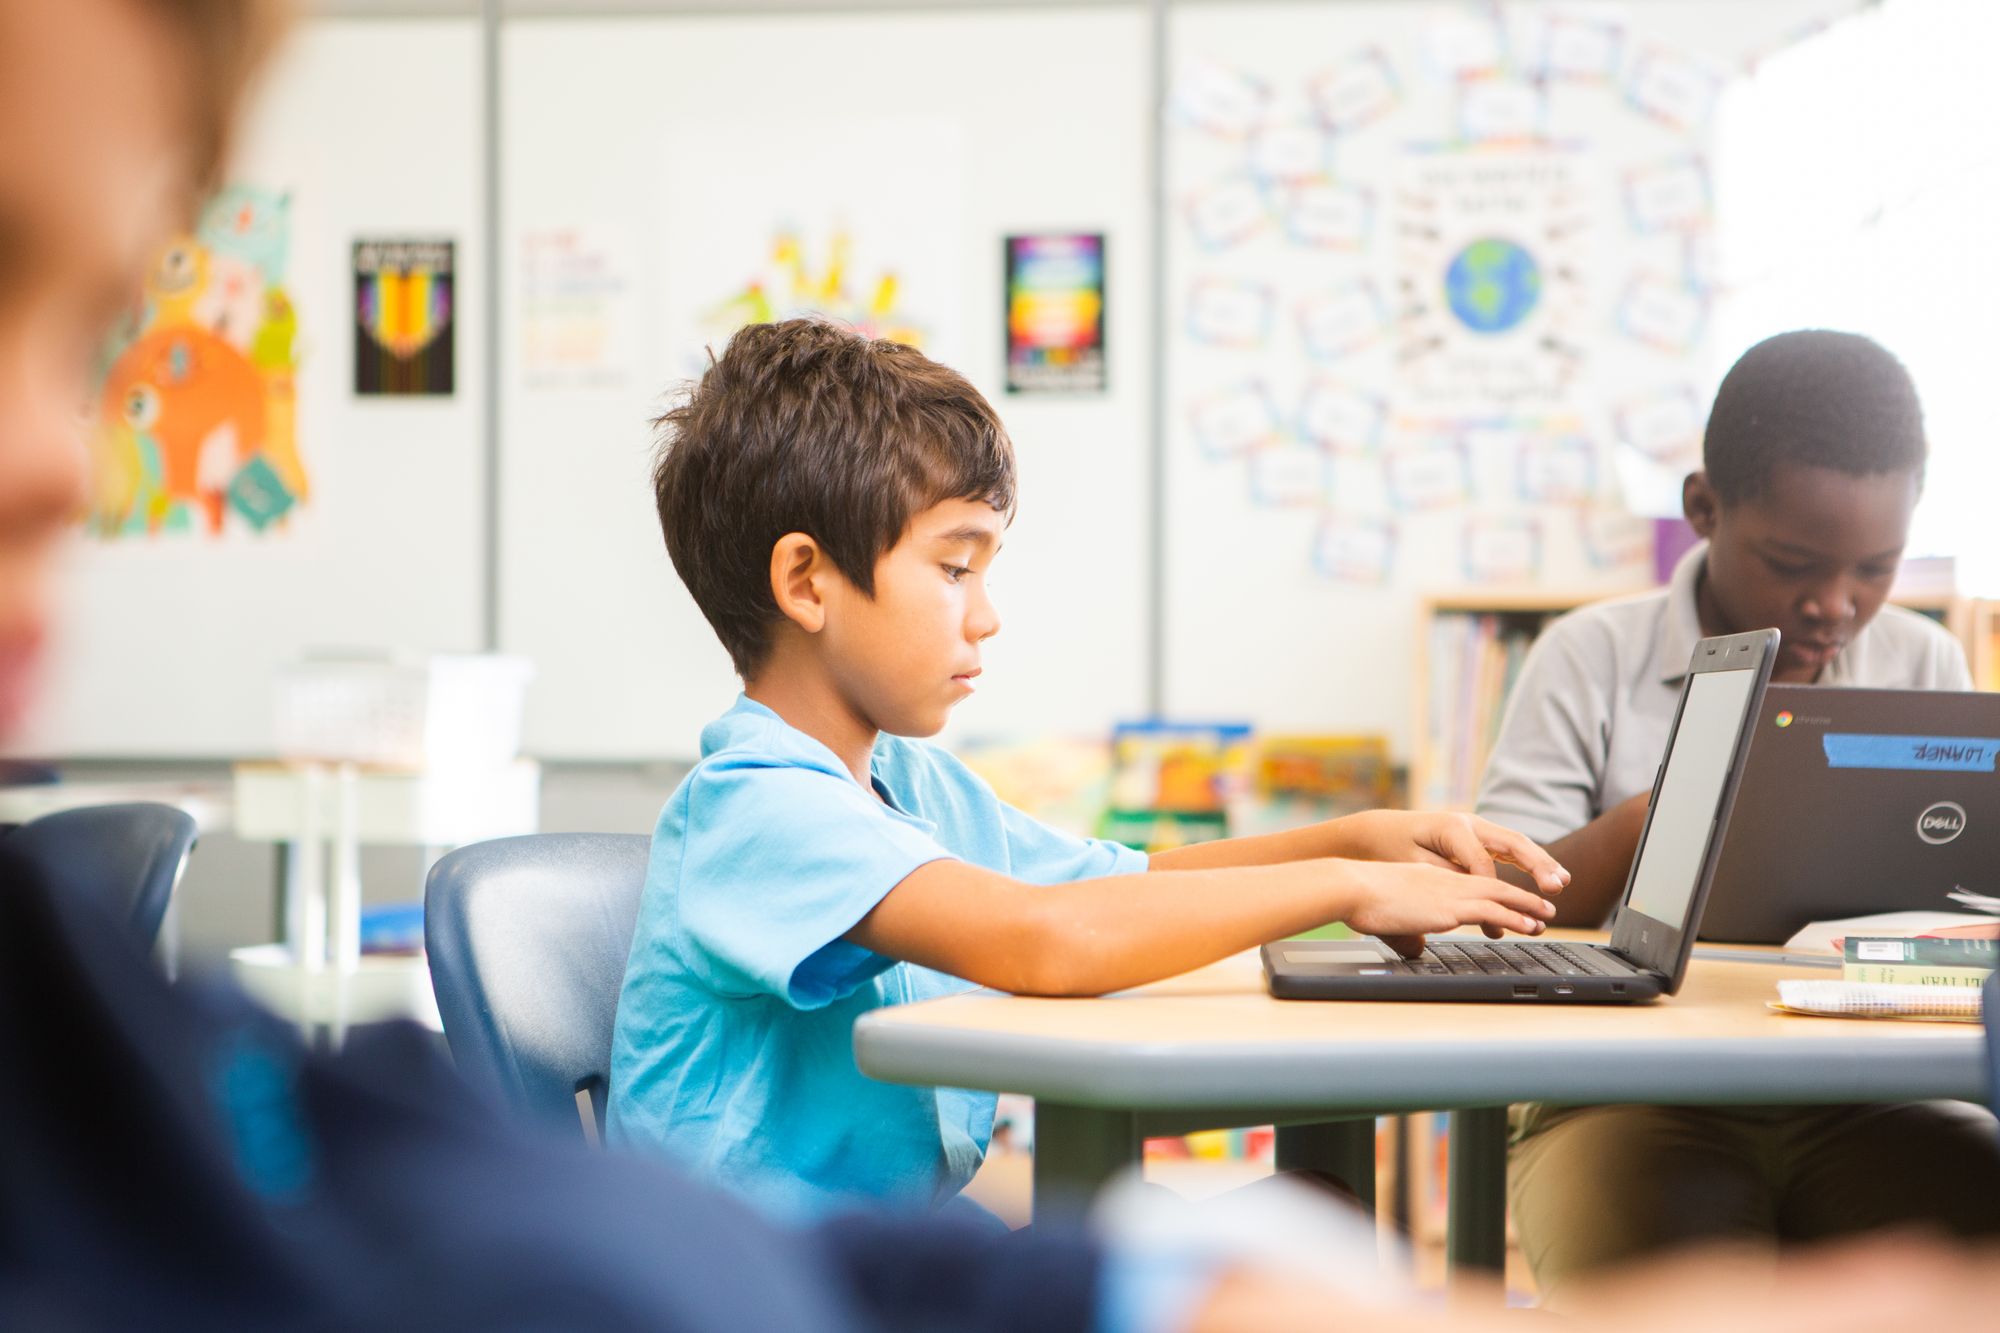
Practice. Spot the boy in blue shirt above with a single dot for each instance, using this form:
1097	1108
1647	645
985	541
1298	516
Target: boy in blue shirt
834	503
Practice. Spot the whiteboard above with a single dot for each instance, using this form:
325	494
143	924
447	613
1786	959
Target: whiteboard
1294	571
671	149
167	645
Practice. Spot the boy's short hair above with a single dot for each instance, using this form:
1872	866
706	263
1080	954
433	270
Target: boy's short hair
804	426
1826	399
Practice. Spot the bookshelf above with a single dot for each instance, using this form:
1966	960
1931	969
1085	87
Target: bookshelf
1979	630
1470	644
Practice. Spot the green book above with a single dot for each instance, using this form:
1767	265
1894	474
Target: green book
1928	962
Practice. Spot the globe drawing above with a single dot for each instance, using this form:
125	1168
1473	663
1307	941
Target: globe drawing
1492	285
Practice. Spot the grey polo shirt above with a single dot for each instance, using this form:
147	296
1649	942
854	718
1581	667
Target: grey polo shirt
1587	723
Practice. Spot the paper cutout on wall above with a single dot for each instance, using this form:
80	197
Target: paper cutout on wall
1327	215
577	307
1675	89
1355	550
1465	47
1355	92
1226	214
1235	420
1226	312
403	319
1579	49
1220	101
1669	196
1342	320
1501	550
1289	154
1341	419
196	424
1427	476
1559	471
1662	313
1493	110
1665	425
1615	538
1290	476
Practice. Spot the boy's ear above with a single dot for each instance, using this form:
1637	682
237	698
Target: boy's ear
1700	503
797	569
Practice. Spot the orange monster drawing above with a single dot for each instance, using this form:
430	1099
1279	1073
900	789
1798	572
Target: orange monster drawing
196	425
200	404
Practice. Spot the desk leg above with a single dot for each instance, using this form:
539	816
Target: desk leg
1476	1225
1078	1149
1343	1149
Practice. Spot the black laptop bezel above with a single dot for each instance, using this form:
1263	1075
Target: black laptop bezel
1663	947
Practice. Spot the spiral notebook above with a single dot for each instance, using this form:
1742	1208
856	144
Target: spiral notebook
1858	999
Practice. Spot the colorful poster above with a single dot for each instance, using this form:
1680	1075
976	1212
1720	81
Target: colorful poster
403	340
578	307
1497	290
1055	313
195	430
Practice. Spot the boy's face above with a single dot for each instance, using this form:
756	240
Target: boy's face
904	657
1814	556
90	113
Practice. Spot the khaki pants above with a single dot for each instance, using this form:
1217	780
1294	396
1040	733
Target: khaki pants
1601	1185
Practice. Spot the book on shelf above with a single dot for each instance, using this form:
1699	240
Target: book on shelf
1475	658
1919	962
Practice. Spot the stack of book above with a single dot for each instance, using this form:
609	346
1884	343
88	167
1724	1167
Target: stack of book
1919	962
1884	976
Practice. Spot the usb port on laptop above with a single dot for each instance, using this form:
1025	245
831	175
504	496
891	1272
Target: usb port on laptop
1525	992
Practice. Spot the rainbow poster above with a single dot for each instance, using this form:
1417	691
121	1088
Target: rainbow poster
403	318
1055	313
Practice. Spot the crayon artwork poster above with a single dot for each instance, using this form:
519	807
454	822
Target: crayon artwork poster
403	325
1055	313
820	219
195	432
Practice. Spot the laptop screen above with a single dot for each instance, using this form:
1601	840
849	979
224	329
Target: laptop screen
1669	868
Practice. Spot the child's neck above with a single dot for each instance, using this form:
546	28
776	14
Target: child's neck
809	703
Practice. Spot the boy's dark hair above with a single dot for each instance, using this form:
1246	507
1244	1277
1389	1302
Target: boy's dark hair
1832	400
803	426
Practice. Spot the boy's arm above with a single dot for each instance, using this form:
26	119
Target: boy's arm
1091	936
1598	857
1466	842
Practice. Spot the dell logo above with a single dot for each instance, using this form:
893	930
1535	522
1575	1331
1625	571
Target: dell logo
1941	823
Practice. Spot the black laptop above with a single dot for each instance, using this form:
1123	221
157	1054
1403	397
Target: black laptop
1655	925
1858	801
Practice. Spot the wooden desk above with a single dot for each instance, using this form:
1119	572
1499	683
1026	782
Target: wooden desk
1212	1049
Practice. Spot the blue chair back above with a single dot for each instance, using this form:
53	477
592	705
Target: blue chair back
128	857
527	939
1989	1006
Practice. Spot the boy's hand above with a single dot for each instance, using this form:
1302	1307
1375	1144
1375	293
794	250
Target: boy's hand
1402	902
1468	842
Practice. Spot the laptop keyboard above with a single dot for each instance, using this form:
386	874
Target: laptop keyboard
1475	957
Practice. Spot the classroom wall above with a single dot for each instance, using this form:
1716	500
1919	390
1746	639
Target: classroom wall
664	153
679	150
168	644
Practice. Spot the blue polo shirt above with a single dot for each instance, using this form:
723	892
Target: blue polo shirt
733	1049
